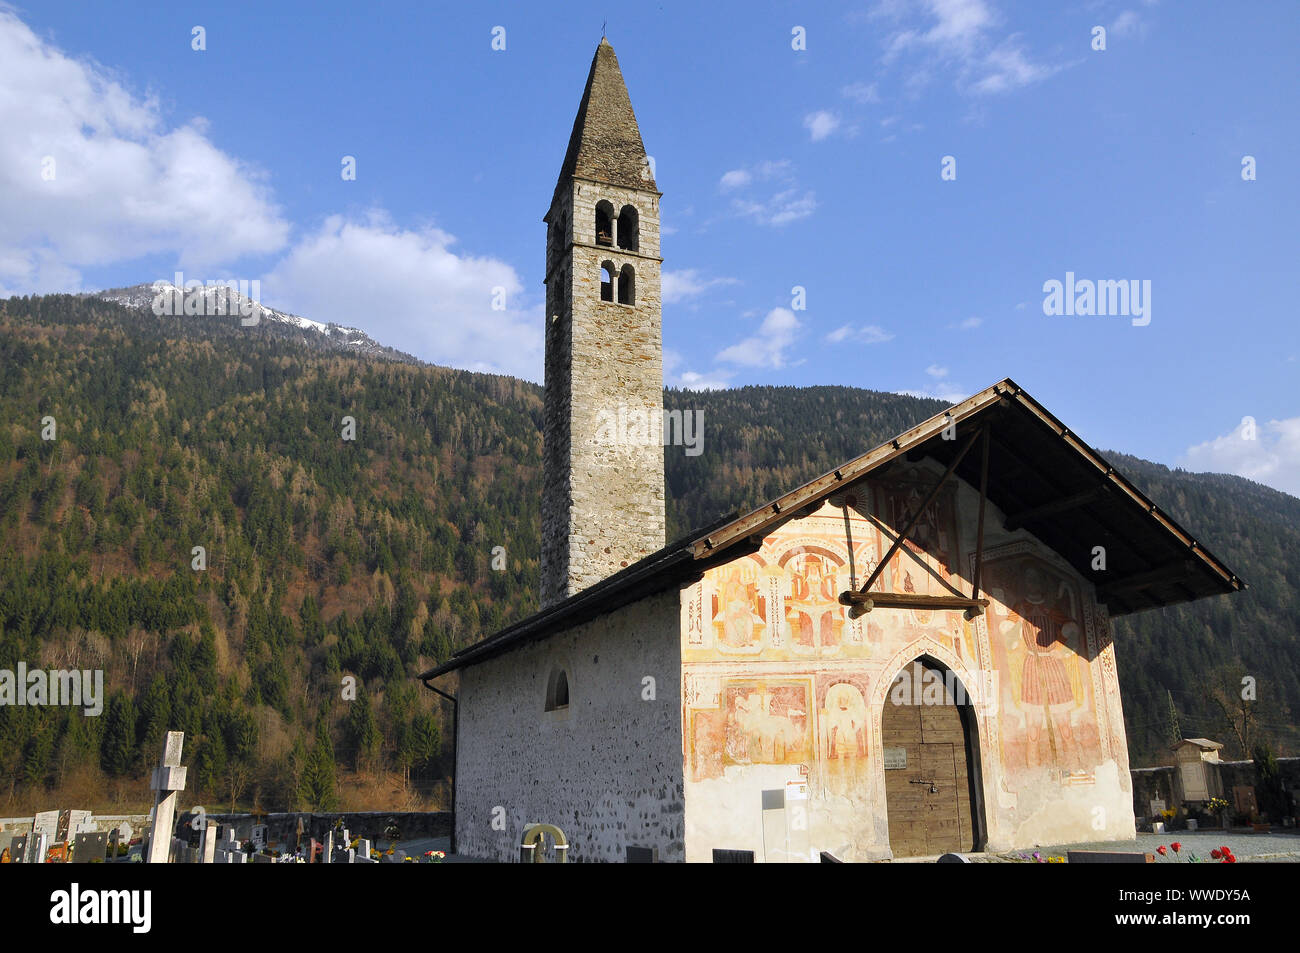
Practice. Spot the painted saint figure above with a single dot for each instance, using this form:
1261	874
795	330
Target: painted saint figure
1047	635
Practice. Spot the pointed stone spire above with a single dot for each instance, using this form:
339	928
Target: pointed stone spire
605	144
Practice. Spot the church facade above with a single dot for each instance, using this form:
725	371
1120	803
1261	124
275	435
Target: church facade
908	656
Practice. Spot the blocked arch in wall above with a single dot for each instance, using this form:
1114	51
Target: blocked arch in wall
935	657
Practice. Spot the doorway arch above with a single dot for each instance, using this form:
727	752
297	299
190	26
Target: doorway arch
933	778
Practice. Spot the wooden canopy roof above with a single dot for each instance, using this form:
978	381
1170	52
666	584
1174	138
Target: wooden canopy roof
1043	477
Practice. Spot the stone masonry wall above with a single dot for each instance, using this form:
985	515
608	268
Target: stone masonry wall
607	770
603	489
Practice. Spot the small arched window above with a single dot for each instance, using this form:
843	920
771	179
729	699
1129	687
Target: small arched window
629	229
604	224
627	285
557	690
607	272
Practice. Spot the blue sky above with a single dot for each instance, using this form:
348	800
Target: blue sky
780	167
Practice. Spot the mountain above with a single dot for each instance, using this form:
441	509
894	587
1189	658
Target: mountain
366	550
223	300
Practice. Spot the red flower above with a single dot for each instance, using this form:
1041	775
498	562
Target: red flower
1226	850
1161	850
1216	853
1176	846
1230	859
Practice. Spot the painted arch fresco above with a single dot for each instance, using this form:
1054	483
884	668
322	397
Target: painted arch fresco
779	681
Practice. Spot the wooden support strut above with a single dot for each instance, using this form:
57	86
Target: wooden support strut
912	520
974	611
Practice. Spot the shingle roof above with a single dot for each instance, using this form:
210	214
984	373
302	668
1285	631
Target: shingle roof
605	144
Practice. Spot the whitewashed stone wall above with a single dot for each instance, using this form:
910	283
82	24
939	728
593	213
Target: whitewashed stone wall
608	771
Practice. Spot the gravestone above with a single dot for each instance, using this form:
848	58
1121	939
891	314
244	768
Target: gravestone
81	822
363	849
41	848
208	844
259	836
724	856
19	849
46	822
1108	857
327	855
89	848
263	859
125	832
642	855
1156	805
168	780
227	846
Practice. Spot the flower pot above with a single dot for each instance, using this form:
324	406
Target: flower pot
1158	827
1192	824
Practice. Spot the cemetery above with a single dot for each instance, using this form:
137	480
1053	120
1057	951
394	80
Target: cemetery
197	837
75	836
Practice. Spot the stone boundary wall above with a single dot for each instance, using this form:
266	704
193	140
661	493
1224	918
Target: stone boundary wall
1165	783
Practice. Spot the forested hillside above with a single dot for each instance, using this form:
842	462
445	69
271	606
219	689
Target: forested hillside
372	556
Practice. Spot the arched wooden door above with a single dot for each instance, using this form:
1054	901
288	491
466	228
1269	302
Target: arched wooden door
927	771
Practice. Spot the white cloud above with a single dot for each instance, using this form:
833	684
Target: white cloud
867	334
788	204
759	172
677	286
864	93
1128	23
1272	458
735	179
937	372
1007	68
408	288
125	183
766	348
782	208
969	324
957	35
821	124
715	380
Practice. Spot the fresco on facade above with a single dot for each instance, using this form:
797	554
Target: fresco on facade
776	673
843	743
754	722
1037	629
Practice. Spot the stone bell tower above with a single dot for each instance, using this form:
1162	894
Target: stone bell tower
603	481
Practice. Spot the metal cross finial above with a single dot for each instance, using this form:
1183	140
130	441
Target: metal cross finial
602	28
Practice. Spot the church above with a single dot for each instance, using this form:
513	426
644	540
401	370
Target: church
908	656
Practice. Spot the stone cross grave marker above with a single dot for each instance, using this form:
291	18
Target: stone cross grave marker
226	846
168	781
